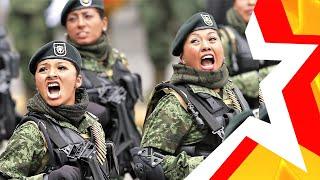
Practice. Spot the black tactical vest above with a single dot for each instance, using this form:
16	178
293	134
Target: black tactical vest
67	147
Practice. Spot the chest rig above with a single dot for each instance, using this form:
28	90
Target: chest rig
209	113
67	147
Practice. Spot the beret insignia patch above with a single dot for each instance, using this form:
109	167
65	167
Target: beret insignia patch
206	19
86	2
59	49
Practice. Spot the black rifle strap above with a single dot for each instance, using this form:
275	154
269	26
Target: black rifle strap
127	130
189	106
209	118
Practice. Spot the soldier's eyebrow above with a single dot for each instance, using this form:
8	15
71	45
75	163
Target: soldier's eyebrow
42	63
194	34
213	32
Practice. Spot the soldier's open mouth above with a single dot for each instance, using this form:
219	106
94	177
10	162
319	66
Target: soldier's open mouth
207	62
53	90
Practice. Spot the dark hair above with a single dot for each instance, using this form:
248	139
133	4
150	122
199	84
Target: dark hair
101	13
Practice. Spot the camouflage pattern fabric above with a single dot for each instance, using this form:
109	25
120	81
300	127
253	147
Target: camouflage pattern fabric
169	126
26	156
97	66
213	79
99	57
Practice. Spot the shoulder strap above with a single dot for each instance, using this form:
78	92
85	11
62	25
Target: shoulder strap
229	33
42	127
209	118
192	104
231	36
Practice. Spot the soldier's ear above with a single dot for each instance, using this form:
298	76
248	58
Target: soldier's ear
181	59
105	23
78	81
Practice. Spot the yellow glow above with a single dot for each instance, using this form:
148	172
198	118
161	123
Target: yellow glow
303	16
263	164
315	85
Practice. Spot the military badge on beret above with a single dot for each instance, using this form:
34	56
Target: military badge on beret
56	50
59	49
206	19
86	2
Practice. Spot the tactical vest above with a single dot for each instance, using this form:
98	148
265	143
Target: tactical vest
240	54
209	113
68	147
118	96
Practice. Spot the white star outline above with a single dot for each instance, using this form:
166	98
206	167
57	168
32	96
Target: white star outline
279	136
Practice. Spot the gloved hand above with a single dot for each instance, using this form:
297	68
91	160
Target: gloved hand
236	121
66	172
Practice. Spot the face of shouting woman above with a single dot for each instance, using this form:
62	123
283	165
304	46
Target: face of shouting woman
57	81
203	50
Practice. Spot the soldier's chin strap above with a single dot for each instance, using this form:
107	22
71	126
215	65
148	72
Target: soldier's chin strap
147	163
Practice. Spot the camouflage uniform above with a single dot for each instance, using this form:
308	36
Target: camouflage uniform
180	126
99	67
169	127
100	60
248	82
161	19
27	153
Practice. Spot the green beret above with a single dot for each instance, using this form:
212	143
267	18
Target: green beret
79	4
56	50
200	20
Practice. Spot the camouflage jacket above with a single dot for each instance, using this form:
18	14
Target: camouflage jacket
26	156
169	126
99	65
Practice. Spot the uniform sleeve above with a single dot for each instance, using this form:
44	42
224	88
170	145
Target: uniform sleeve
164	129
180	166
24	153
166	125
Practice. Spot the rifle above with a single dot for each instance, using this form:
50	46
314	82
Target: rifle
126	136
86	153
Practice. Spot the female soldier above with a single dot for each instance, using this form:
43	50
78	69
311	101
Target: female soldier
181	129
103	65
57	124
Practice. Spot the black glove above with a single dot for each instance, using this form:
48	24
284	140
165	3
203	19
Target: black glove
236	121
66	172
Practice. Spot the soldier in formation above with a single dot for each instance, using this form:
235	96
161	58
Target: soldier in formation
113	89
191	115
58	138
